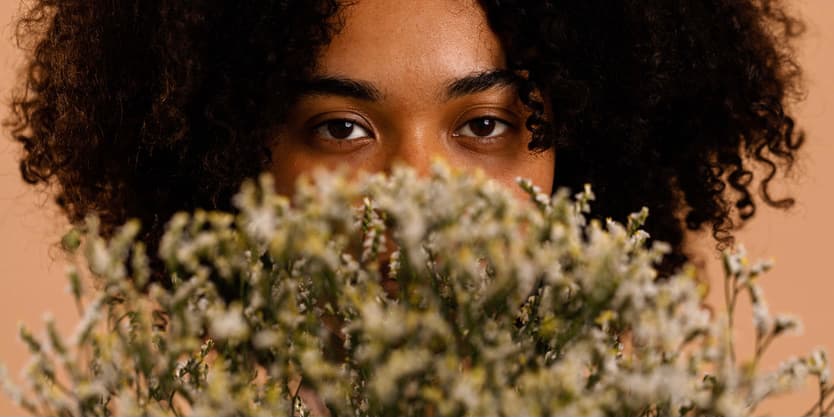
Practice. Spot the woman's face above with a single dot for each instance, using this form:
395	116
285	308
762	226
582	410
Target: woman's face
407	81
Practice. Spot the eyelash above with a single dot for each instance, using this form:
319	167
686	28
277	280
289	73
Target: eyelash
355	124
507	126
486	139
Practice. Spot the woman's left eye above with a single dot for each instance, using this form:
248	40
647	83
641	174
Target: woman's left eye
483	127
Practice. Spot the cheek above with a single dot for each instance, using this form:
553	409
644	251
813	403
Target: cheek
544	167
515	161
293	157
289	161
538	168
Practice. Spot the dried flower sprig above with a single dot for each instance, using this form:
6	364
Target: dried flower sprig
500	307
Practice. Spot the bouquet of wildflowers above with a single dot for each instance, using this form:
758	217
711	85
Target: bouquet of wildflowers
399	295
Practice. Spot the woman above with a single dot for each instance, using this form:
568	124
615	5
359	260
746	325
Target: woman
140	109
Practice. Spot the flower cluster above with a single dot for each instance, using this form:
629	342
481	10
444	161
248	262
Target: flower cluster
399	295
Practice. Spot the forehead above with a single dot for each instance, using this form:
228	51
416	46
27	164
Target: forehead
416	45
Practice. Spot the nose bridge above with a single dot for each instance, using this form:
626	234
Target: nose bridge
415	145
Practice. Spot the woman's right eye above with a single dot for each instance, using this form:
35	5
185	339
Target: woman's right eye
341	130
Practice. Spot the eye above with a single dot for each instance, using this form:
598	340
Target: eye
483	127
341	130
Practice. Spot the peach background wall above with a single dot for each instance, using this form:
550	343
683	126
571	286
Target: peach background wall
801	240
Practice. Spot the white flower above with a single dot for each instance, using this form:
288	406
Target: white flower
818	365
787	323
229	324
503	307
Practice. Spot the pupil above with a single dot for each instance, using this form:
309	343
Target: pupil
482	127
340	129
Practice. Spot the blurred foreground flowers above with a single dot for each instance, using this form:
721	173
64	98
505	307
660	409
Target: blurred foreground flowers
397	295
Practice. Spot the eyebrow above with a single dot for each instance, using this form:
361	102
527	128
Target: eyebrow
480	82
366	91
339	86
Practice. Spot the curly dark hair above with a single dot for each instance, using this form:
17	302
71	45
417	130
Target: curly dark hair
143	108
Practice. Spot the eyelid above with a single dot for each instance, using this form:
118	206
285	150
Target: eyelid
356	124
495	143
351	116
465	125
506	114
494	111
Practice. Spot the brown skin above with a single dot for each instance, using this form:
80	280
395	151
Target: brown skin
412	62
410	55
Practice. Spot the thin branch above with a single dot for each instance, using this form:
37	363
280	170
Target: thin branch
295	397
730	301
761	347
828	408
